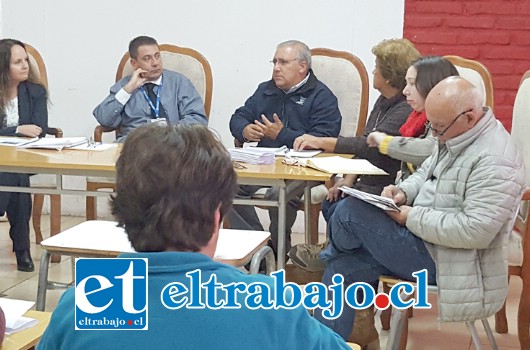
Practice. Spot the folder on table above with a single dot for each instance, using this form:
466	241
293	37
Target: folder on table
339	165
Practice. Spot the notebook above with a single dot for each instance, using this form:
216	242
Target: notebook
384	203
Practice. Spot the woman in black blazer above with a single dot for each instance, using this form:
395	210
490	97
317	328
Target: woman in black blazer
23	112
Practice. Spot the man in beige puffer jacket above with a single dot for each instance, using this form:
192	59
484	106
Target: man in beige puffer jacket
456	214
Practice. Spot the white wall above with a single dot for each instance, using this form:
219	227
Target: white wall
82	43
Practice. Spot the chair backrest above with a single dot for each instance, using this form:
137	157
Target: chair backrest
37	64
184	60
521	121
520	131
39	68
477	74
345	75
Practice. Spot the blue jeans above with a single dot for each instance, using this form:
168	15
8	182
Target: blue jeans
328	208
365	243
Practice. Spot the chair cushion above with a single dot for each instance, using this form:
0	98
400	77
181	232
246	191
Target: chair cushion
346	85
474	77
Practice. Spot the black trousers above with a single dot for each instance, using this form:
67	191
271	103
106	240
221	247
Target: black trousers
18	208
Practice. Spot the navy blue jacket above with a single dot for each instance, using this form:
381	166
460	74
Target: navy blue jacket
312	109
32	108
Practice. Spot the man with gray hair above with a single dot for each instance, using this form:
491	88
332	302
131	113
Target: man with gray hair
293	103
456	213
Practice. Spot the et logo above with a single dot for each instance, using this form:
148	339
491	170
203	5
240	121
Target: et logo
111	294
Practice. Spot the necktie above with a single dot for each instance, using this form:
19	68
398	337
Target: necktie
150	87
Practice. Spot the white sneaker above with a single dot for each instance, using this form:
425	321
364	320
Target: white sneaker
3	218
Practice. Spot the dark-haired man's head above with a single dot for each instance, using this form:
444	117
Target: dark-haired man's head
145	54
174	184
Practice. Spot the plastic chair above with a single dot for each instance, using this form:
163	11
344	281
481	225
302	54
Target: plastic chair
180	59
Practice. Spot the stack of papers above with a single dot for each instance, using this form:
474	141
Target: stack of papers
54	143
306	153
284	151
276	150
380	202
339	165
13	310
248	155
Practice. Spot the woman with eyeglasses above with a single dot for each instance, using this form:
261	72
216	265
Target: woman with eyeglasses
23	112
392	59
416	142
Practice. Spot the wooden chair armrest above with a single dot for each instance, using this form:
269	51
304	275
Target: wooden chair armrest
389	280
57	132
238	144
99	130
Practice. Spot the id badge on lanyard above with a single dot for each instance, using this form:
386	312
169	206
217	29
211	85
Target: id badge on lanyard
155	108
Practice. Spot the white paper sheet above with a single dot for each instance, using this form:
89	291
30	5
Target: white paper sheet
13	310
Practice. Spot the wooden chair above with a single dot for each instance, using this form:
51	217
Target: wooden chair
43	181
345	75
477	74
180	59
520	132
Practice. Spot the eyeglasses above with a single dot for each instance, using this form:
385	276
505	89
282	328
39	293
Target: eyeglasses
428	125
292	161
91	143
282	62
237	165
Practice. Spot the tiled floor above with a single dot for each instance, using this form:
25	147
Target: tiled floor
424	331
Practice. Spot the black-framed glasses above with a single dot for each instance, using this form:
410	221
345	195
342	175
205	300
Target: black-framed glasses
429	126
282	62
